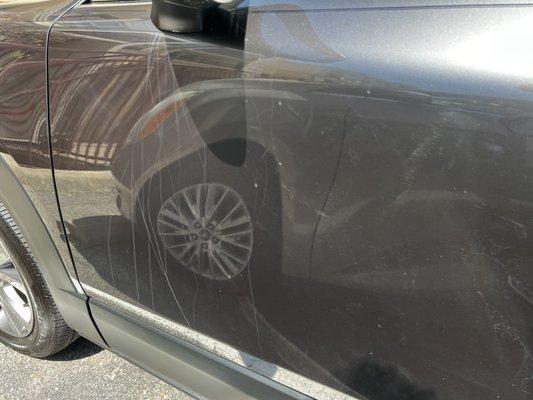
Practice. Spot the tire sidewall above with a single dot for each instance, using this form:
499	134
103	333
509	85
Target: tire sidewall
37	342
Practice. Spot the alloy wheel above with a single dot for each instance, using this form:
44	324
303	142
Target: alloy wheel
207	228
16	314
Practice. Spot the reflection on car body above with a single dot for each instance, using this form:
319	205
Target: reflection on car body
324	199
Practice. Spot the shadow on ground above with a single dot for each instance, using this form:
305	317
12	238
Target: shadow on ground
80	349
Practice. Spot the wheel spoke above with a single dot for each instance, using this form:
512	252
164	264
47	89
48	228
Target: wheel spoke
235	243
191	255
209	206
229	255
16	317
215	208
174	217
178	209
4	256
8	272
4	298
191	207
176	233
184	251
246	233
220	263
225	218
232	224
7	324
198	198
12	306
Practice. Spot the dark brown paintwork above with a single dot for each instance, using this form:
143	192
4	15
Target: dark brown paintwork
24	141
384	157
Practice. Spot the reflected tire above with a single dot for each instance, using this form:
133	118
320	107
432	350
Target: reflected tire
48	332
253	196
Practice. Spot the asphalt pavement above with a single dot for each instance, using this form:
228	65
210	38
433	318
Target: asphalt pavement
82	371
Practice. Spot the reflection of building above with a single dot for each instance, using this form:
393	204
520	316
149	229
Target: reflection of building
91	153
86	143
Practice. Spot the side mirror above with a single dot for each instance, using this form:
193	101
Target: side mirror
182	16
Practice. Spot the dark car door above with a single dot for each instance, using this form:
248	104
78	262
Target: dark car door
298	188
191	169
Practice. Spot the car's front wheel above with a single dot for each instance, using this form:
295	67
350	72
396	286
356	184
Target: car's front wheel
29	319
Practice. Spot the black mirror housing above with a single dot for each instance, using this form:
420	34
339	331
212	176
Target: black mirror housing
182	16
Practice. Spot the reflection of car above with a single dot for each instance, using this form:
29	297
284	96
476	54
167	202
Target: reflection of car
211	115
269	199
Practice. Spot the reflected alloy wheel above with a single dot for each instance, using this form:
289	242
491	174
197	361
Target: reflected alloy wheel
16	314
207	228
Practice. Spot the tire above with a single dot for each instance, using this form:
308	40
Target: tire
47	333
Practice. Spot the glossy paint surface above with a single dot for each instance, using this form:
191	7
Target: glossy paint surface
376	163
24	141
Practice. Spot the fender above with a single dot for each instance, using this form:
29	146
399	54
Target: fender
70	300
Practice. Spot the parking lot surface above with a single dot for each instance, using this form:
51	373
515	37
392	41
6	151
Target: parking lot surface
82	371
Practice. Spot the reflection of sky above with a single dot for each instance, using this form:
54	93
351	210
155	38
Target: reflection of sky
432	50
507	47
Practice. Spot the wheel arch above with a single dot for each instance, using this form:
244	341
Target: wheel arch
68	296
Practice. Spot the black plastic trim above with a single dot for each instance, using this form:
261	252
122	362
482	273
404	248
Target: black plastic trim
194	370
